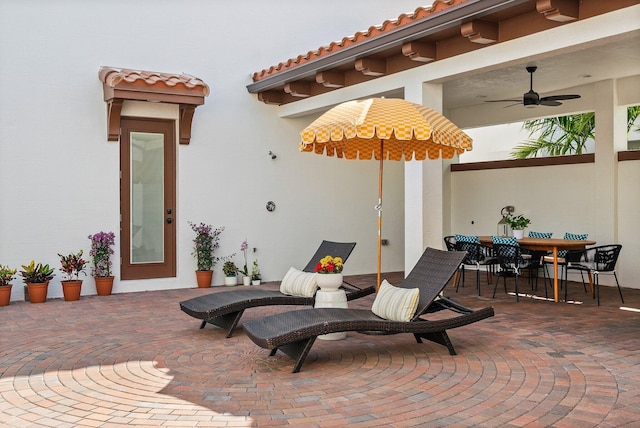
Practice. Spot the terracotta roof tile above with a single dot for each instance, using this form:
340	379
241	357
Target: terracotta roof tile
359	37
113	77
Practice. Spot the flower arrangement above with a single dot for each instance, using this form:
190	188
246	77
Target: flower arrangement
73	265
229	268
518	222
204	245
255	271
329	264
6	275
101	252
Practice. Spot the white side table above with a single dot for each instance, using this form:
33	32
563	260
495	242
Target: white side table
331	299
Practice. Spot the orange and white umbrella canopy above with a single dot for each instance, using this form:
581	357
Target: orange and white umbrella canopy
385	129
410	131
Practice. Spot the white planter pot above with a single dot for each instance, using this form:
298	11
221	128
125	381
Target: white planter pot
518	234
329	281
246	280
230	281
255	282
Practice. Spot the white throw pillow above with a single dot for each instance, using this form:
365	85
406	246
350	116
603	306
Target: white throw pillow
395	304
299	283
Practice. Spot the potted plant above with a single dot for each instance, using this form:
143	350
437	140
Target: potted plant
101	251
255	273
518	224
246	278
72	266
230	273
206	241
6	275
37	277
330	273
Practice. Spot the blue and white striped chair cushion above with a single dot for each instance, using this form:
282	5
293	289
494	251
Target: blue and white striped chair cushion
395	303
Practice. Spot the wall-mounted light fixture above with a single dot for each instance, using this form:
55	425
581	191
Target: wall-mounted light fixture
273	155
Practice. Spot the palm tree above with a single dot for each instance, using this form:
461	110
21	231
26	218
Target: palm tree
563	135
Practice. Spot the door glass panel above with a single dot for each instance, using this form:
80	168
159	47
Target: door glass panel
147	198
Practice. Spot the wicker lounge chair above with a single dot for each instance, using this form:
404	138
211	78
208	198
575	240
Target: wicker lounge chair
224	309
295	332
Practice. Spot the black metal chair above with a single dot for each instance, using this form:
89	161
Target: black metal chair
511	263
595	261
478	256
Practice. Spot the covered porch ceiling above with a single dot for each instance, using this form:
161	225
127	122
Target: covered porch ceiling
450	29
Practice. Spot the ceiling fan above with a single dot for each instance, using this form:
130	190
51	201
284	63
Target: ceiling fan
532	99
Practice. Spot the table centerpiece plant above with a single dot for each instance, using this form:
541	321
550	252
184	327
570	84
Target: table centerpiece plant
101	252
518	224
72	266
329	269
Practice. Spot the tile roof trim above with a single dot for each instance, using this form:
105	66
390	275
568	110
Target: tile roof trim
424	21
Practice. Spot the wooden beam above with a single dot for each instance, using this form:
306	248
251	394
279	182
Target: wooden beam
330	79
482	32
371	66
419	51
559	10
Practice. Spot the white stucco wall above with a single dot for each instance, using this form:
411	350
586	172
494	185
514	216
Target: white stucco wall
59	175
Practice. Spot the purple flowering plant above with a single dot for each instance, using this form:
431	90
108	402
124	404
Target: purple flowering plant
101	252
205	243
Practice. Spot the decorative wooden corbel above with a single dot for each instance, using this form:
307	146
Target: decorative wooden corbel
298	89
114	108
330	79
559	10
419	51
371	66
477	31
271	97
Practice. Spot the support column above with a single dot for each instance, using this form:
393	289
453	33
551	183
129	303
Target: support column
610	137
427	188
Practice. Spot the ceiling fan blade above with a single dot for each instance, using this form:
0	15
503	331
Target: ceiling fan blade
551	103
503	101
559	97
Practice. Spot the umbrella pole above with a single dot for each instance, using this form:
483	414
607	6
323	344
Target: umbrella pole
379	209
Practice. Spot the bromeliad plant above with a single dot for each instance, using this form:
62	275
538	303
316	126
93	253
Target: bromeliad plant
101	251
204	245
72	265
329	264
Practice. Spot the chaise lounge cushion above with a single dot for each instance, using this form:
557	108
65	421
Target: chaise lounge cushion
299	283
395	304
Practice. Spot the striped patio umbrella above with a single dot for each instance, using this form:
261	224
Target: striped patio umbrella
385	129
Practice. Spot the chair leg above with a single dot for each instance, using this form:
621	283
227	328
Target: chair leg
595	282
618	284
478	279
496	286
517	297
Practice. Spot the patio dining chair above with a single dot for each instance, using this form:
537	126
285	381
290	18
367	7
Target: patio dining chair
596	261
511	262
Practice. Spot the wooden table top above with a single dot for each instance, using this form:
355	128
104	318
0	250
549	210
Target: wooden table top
544	243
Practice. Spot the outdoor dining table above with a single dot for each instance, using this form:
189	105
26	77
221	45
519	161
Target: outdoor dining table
547	244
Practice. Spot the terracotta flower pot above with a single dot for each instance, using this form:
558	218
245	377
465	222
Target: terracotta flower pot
71	289
38	291
204	278
104	285
5	295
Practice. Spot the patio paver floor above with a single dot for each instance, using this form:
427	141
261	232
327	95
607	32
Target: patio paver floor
136	359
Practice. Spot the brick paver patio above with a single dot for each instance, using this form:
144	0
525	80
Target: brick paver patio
136	359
